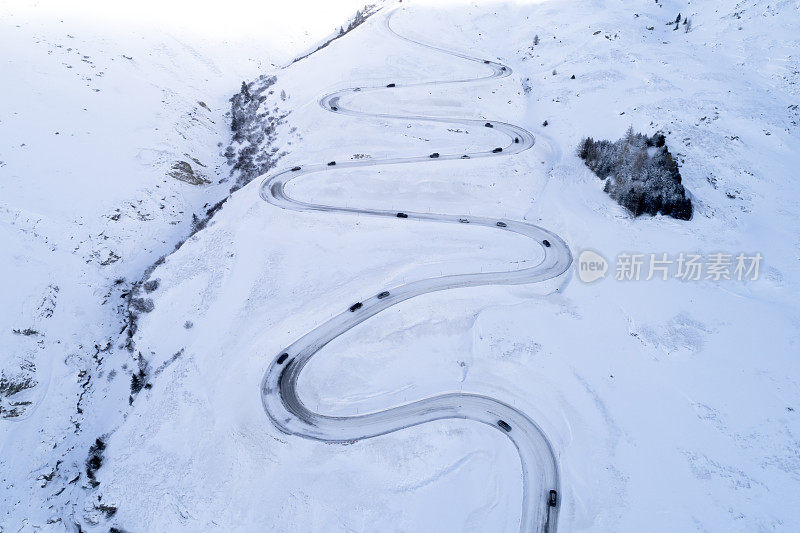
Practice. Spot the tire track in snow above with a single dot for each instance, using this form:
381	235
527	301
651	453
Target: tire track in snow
540	472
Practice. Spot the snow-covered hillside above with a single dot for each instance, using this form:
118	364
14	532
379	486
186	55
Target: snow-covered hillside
113	126
671	405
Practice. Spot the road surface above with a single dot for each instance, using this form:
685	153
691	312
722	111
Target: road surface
540	473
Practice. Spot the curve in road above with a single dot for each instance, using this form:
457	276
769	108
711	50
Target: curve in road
540	473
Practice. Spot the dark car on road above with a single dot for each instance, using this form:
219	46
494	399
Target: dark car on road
546	243
391	85
401	215
504	425
486	61
355	307
552	499
282	358
497	150
434	155
295	169
465	156
383	295
334	108
332	163
516	139
489	125
464	220
501	224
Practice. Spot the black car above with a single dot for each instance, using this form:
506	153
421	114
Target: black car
546	243
383	295
334	108
434	155
501	224
502	68
357	89
486	61
504	425
464	220
516	139
497	150
355	307
391	85
465	156
401	215
552	500
295	169
489	125
332	163
282	358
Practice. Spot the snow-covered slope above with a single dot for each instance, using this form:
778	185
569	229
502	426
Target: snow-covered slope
113	126
672	405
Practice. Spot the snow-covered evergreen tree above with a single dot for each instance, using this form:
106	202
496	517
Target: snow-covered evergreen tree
641	174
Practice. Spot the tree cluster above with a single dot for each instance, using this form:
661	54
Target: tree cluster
254	124
640	172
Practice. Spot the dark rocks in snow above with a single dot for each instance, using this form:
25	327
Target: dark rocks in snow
95	460
10	386
27	332
142	305
640	173
183	171
150	286
107	510
16	380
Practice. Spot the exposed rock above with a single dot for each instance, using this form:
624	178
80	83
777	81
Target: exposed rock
183	171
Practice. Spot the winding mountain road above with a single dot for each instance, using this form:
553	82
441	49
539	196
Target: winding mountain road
540	471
